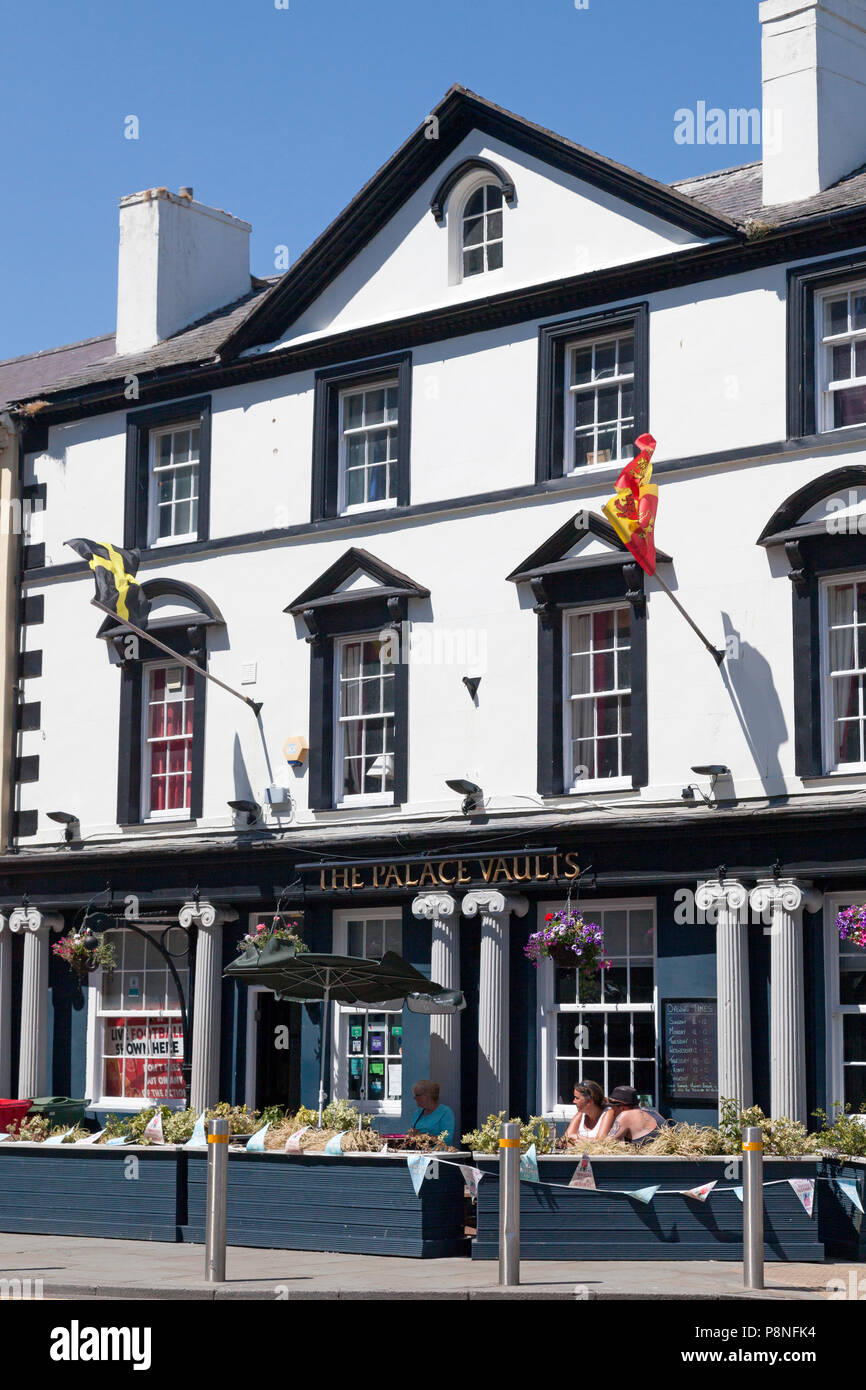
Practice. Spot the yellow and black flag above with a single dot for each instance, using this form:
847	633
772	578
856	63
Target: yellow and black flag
116	586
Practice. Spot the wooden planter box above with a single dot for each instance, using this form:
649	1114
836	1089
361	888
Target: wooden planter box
64	1190
557	1224
362	1204
843	1228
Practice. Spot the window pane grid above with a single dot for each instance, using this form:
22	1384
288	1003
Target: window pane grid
600	400
481	239
176	482
598	694
168	739
365	719
142	1035
843	353
372	1042
369	445
846	658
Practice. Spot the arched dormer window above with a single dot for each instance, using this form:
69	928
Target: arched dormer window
475	194
162	705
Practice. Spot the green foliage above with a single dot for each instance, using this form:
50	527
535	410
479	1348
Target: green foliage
339	1115
781	1136
33	1129
273	1115
305	1116
485	1140
241	1120
844	1135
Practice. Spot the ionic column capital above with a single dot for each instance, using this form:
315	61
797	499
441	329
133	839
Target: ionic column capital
205	915
490	902
31	919
433	906
719	893
784	893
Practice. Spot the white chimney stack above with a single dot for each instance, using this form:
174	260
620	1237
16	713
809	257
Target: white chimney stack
814	99
179	260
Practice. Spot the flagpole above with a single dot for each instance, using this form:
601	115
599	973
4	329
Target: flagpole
717	655
255	705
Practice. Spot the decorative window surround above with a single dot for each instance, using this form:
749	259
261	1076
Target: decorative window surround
563	578
348	925
143	428
555	341
333	384
332	611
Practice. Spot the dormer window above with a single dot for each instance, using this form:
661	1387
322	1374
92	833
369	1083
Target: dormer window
481	231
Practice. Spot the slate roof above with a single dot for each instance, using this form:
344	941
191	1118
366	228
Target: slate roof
736	193
27	376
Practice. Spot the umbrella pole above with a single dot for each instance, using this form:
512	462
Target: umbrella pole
325	1002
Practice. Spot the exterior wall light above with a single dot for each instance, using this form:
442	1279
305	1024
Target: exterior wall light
70	823
473	796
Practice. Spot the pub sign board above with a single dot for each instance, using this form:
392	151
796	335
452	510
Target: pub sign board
690	1050
494	871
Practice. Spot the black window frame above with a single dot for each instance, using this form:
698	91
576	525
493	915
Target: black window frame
587	588
553	339
372	615
139	425
191	641
329	383
805	283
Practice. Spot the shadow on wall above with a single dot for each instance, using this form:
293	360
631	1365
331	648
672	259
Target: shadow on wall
748	677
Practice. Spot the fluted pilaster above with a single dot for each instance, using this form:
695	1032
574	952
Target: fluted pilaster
204	1086
781	904
727	898
495	910
438	909
33	1055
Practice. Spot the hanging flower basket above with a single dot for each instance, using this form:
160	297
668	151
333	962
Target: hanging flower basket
287	932
82	958
568	941
851	925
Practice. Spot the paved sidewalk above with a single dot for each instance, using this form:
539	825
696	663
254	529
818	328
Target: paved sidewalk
78	1266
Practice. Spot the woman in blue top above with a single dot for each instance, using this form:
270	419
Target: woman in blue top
431	1117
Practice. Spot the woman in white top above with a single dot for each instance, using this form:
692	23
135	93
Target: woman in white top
594	1116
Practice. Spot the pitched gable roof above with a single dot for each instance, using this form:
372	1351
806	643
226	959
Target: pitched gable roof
561	552
459	112
334	586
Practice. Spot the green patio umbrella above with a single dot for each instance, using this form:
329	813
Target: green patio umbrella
311	978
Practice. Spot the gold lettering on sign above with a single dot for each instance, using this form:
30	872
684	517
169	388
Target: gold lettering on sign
410	882
527	873
462	876
392	876
443	877
357	878
538	873
486	869
574	870
428	875
500	870
322	884
377	869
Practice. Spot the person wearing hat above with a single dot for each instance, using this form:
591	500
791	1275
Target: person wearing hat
631	1125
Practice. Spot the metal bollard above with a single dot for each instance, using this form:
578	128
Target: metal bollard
509	1203
753	1208
217	1175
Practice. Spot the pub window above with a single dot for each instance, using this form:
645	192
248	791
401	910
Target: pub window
847	990
369	1042
368	447
604	1031
175	455
168	456
139	1032
597	703
365	724
361	436
841	399
167	744
844	652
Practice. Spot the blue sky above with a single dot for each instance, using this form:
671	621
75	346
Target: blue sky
280	115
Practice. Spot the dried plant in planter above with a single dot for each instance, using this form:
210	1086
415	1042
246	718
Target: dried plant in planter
362	1141
416	1142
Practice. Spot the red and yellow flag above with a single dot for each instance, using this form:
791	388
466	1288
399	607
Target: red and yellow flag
632	512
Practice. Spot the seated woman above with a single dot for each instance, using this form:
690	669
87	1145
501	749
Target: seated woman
594	1116
431	1117
632	1125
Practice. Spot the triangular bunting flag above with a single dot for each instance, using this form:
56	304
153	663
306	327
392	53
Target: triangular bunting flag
153	1130
847	1187
198	1138
59	1138
418	1165
3	1138
119	1139
738	1193
293	1143
583	1175
256	1144
334	1144
471	1177
644	1194
529	1165
805	1190
90	1138
699	1194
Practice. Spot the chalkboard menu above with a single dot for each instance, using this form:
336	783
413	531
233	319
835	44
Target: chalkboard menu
690	1049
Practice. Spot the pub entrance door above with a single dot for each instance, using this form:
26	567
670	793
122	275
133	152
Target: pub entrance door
278	1051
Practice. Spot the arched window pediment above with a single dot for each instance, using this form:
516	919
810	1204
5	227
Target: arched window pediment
174	604
459	173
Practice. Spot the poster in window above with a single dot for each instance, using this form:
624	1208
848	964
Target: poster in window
395	1081
377	1080
691	1050
377	1042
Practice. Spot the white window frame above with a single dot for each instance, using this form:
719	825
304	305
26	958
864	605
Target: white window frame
827	720
147	815
456	212
341	1012
359	798
575	787
94	1055
571	392
549	1010
155	436
835	1011
359	388
824	393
